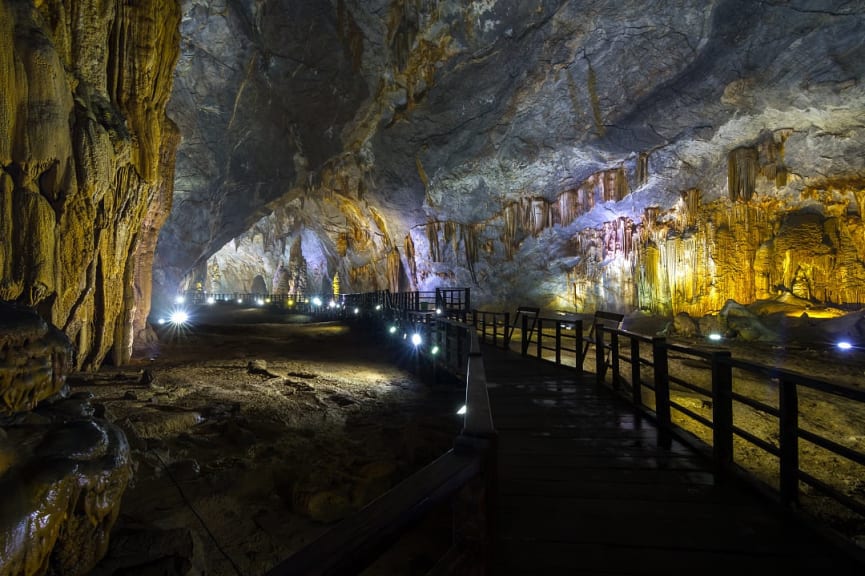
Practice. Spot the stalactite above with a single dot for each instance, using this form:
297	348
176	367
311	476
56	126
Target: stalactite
393	269
469	237
642	168
742	173
509	231
432	234
451	235
410	257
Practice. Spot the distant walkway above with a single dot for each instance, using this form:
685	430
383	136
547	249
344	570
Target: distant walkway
585	489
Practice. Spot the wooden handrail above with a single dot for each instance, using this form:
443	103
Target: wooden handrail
358	540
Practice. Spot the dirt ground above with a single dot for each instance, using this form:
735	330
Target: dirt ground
252	432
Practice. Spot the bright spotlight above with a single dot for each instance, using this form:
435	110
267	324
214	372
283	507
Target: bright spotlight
211	299
316	301
357	310
180	300
378	306
259	301
435	350
240	300
439	311
715	337
267	300
331	304
844	345
392	329
179	317
161	321
462	410
290	302
416	339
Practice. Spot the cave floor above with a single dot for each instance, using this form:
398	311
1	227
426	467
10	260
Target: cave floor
252	432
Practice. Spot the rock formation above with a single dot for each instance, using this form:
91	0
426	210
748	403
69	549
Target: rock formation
574	155
86	158
62	471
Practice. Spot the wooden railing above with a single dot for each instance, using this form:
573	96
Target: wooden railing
464	476
721	391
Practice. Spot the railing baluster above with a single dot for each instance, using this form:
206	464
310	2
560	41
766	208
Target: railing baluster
788	405
558	343
636	383
614	358
662	390
600	369
506	339
722	411
540	337
524	336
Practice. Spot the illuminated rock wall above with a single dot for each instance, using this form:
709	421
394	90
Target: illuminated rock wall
664	156
85	162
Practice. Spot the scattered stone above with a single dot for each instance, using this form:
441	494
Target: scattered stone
260	367
684	325
147	378
307	375
130	395
159	423
341	399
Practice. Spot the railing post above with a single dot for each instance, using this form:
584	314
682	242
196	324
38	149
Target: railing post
788	405
506	339
614	358
722	411
468	303
600	369
495	329
578	346
483	327
558	342
636	382
524	336
540	337
662	390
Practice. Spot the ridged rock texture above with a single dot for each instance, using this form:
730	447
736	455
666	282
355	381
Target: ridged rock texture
666	156
86	158
62	471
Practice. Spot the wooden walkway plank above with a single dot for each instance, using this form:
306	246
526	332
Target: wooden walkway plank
584	488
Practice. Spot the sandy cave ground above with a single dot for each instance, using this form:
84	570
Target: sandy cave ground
260	430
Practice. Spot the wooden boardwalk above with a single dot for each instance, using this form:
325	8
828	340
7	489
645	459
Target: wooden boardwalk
584	488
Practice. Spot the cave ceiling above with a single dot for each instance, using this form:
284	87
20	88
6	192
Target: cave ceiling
572	154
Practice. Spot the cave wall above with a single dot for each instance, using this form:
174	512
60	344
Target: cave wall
573	155
86	152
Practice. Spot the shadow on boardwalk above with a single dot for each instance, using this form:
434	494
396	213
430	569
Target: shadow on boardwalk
584	488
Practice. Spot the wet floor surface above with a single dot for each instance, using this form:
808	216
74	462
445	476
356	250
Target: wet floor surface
584	488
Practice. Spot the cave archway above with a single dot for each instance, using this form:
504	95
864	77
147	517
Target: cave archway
259	286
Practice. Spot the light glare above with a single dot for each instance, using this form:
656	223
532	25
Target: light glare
180	300
714	336
462	410
416	339
316	301
844	345
435	350
211	299
179	317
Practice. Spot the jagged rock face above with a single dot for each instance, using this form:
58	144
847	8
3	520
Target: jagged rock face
85	161
577	155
